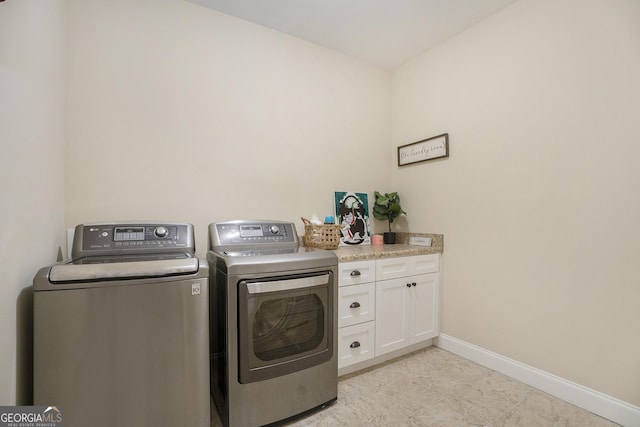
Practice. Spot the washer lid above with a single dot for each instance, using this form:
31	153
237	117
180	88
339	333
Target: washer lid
124	267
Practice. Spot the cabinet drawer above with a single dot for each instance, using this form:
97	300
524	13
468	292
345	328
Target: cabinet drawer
391	268
356	272
356	304
355	343
426	263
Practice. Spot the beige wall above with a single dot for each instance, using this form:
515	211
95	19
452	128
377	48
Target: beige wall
539	199
179	112
31	172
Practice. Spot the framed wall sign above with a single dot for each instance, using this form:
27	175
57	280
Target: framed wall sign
426	149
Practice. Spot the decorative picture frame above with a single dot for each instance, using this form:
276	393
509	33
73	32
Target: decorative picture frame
352	213
421	151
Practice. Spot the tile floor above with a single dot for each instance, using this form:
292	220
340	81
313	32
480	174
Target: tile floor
433	387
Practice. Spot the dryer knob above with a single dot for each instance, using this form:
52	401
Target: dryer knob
161	232
274	229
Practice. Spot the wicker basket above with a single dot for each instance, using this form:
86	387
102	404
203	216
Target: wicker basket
323	236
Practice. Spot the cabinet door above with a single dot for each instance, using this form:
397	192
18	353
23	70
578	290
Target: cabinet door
392	315
424	303
356	304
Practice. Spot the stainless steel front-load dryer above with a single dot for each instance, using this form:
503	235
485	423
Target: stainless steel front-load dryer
273	323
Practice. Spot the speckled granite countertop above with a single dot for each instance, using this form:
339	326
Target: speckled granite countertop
402	248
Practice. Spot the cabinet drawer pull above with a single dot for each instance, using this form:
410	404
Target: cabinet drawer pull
355	273
408	285
414	283
354	305
355	344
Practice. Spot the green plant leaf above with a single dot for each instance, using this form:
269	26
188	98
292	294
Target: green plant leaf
383	201
387	207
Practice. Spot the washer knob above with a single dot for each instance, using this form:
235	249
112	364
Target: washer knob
161	232
274	229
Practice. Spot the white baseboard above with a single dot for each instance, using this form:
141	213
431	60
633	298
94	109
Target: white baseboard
601	404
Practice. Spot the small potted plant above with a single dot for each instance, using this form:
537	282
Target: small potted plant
387	208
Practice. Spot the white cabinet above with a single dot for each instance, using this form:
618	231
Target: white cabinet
356	311
406	311
356	272
391	268
423	309
393	315
385	306
355	343
356	304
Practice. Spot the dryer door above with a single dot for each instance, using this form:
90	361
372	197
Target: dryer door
285	324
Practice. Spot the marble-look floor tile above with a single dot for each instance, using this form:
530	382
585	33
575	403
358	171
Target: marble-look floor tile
541	409
433	387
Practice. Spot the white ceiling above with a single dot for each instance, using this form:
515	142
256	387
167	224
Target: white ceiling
386	33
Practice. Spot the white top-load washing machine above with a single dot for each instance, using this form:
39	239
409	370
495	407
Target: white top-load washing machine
121	331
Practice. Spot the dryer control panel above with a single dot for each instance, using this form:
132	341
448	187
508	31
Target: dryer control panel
252	233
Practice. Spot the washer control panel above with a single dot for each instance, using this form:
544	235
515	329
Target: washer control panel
92	239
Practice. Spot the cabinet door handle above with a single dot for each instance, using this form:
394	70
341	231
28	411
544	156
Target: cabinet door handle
408	285
355	344
355	273
354	305
413	284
